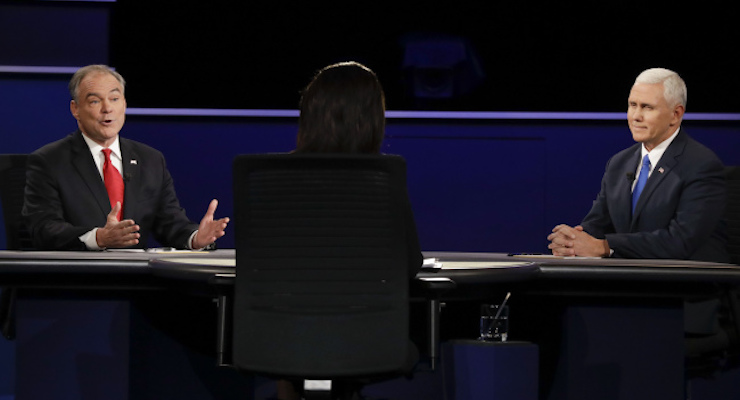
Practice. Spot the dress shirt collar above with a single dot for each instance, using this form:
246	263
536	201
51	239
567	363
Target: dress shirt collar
657	152
96	151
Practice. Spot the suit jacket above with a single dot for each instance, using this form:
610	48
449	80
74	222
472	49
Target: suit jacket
679	213
66	197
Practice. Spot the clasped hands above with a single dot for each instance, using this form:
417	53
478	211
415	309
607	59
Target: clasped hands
118	234
571	241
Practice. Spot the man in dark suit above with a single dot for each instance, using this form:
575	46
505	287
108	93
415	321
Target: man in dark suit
67	202
678	203
663	197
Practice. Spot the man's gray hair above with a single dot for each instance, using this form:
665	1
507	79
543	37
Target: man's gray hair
81	73
674	88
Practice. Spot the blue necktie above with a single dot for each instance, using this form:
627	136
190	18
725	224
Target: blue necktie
644	171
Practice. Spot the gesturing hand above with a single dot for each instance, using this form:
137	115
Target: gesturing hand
209	229
117	234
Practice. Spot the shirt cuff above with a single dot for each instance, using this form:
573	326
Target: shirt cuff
90	240
190	241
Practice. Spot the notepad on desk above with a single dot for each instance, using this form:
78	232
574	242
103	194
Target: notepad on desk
533	255
431	264
159	250
458	265
551	257
434	264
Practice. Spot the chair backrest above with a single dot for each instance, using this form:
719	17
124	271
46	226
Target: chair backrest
321	285
12	187
732	215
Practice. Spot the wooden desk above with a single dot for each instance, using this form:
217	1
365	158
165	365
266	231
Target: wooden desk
622	322
622	327
620	335
85	329
112	270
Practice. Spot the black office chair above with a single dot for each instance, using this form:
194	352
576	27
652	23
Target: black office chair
12	186
732	214
321	289
712	354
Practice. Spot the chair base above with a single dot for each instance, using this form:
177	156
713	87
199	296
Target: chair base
331	390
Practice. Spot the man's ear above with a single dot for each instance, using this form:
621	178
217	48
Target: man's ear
678	112
73	109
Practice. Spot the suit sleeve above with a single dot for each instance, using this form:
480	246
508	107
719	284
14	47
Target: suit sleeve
598	221
44	212
171	225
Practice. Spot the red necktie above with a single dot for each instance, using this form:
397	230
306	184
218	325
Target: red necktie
113	183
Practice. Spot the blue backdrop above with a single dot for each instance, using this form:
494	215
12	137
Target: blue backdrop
483	184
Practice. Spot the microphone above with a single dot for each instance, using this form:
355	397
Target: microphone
631	176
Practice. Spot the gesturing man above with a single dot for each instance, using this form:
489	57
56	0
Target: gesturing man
94	189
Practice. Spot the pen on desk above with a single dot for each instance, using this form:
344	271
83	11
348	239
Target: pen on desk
160	249
501	307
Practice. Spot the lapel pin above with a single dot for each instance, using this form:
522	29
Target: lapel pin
136	163
661	170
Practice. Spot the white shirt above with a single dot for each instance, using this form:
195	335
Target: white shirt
96	150
654	155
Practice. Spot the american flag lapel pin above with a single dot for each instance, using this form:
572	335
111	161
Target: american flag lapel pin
136	163
661	170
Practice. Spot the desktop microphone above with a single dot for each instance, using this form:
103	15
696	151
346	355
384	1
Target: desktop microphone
631	176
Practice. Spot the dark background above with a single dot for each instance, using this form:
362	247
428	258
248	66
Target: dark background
552	57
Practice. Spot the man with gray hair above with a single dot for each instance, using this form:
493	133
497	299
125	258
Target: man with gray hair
94	190
664	197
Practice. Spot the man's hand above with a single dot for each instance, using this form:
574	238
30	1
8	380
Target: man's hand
117	234
209	229
574	241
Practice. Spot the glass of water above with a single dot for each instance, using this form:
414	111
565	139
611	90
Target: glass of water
494	323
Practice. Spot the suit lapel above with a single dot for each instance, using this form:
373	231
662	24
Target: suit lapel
623	218
131	176
661	170
86	168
